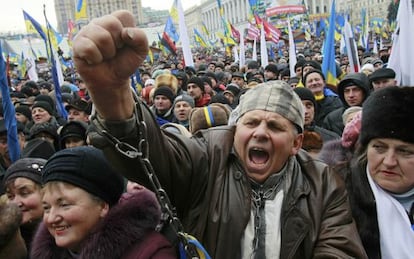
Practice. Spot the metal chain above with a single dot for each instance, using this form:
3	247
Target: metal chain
141	154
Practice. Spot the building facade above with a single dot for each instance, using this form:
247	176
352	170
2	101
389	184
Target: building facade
65	10
237	11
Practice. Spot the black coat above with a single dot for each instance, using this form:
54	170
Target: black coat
364	209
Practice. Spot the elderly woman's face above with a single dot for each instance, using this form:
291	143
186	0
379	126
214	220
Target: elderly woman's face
264	141
391	164
70	214
26	194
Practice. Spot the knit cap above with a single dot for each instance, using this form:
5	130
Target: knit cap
165	91
87	168
184	98
30	168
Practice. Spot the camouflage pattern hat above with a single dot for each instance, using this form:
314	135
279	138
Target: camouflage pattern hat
274	96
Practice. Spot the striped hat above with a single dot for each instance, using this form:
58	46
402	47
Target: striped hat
274	96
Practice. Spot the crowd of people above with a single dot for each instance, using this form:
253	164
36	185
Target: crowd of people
257	162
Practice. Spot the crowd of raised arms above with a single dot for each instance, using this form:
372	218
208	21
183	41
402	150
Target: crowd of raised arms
257	162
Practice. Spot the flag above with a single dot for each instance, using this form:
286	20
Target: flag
272	33
171	30
167	42
150	56
55	37
263	49
235	33
57	75
22	65
254	55
71	30
351	48
328	63
292	51
204	29
185	41
401	59
199	39
365	30
8	113
252	31
31	69
81	11
235	54
32	26
242	55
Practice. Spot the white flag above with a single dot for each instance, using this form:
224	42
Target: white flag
31	69
242	55
263	48
401	58
185	42
292	51
351	49
254	56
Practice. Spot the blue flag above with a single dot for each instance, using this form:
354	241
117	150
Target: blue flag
328	63
8	113
58	93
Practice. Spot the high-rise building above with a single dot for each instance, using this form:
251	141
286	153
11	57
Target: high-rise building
65	10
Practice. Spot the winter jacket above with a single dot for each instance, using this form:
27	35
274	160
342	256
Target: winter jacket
325	106
127	231
333	121
210	190
364	209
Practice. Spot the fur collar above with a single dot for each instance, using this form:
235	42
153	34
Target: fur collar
126	224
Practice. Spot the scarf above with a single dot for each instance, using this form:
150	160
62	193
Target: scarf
396	235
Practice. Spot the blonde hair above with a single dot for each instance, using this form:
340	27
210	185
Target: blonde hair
58	186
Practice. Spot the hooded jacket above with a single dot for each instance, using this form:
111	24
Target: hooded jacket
333	121
209	187
127	231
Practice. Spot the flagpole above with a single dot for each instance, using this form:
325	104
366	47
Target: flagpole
58	94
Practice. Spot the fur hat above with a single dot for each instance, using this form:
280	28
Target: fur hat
312	141
165	91
274	96
215	114
87	168
167	80
10	219
197	81
46	127
30	168
387	113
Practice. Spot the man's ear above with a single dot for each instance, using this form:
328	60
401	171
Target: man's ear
297	144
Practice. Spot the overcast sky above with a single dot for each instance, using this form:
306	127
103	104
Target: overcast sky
11	15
